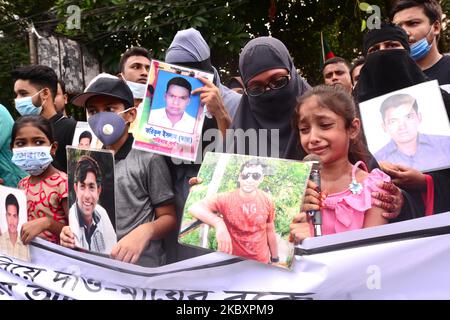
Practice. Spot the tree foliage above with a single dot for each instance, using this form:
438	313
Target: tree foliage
109	27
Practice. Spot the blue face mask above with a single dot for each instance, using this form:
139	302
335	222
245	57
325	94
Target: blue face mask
108	126
26	107
421	48
34	160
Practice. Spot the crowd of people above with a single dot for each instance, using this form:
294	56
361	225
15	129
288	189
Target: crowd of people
151	190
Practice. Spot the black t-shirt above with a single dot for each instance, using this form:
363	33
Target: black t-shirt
440	71
63	131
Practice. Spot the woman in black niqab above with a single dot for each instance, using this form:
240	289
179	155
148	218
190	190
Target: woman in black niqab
272	110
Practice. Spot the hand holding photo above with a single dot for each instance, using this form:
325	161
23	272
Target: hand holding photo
172	115
91	185
244	206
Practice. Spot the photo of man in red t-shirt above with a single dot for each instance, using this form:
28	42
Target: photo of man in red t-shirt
243	218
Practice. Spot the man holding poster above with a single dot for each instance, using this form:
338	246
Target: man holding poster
174	115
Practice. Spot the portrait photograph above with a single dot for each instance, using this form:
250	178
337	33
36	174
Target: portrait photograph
91	199
84	137
171	117
13	214
244	206
409	127
173	105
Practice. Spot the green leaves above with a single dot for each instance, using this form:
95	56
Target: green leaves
364	6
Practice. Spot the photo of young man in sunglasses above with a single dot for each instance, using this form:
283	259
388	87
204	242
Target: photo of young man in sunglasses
243	218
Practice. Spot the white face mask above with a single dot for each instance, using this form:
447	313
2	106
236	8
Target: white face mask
138	89
34	160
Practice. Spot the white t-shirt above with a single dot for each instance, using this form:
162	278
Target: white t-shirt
159	117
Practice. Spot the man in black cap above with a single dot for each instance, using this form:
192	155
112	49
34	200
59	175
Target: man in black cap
143	188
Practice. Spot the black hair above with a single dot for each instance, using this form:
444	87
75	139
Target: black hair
252	163
431	8
11	200
335	60
340	102
63	86
179	81
84	165
36	121
397	100
39	76
85	134
133	51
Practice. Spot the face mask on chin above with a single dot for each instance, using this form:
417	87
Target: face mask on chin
138	89
421	48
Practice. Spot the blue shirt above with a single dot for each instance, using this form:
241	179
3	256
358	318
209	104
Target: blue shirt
433	152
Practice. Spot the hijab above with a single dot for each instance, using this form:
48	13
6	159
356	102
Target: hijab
273	109
190	49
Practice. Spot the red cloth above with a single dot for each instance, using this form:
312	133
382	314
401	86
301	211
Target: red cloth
246	221
44	199
428	196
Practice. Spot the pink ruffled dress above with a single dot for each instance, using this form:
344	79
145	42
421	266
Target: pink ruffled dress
344	211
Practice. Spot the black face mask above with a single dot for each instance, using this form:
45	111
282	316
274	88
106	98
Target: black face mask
386	71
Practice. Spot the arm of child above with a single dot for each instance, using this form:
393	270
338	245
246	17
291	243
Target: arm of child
374	217
33	228
202	211
300	226
131	246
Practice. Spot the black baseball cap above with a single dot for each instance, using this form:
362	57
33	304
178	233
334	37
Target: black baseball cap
109	87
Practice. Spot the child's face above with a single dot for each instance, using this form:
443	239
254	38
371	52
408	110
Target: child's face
323	132
108	104
30	136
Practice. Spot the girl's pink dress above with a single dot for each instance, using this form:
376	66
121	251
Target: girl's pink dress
344	211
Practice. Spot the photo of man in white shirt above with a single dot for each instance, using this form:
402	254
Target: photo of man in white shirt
174	115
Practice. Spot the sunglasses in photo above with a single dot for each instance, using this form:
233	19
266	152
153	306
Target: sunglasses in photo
254	175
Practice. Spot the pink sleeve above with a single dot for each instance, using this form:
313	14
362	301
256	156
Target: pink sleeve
375	177
363	200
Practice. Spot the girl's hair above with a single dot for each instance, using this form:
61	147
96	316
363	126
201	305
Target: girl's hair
336	99
36	121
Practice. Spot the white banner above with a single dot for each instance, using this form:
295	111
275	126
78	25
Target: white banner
396	261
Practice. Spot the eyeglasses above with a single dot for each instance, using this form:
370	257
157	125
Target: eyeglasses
255	175
276	84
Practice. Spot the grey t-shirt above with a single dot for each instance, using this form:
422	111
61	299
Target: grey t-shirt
142	183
